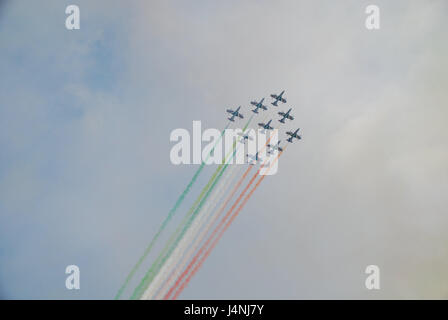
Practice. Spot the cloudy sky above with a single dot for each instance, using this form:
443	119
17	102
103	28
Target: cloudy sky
86	116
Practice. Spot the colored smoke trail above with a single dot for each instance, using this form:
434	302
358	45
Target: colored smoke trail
184	225
261	150
219	226
167	219
201	261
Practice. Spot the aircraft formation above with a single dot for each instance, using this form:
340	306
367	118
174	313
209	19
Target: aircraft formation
217	205
277	98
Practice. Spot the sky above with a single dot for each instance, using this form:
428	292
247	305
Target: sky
86	116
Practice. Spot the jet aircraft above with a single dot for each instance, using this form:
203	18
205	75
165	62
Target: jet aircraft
234	114
258	105
293	135
278	98
266	126
286	116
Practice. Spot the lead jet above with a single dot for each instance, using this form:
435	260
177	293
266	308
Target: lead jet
285	116
274	147
266	126
234	114
278	98
258	105
293	135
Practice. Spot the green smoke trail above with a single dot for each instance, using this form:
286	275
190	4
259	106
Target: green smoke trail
167	219
184	225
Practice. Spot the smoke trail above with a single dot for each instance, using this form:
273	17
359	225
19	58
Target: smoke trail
222	221
167	219
186	222
196	268
199	239
187	239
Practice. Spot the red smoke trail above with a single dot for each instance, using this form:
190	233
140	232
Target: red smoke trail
196	268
